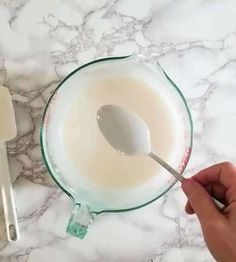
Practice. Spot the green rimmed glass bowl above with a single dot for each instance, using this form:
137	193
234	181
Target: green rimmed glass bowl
91	201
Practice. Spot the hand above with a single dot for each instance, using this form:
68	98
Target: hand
219	228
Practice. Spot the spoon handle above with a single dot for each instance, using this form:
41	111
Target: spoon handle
179	177
167	167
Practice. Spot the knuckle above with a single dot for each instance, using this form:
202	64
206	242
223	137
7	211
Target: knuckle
228	165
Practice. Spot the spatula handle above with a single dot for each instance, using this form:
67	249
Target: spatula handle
11	222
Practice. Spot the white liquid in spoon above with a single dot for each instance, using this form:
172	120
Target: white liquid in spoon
124	130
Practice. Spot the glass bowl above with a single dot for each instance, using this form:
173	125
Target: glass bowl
89	200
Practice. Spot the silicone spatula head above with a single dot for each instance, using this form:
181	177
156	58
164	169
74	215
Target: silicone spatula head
7	116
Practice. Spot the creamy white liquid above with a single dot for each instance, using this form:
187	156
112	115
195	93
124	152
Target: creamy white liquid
78	148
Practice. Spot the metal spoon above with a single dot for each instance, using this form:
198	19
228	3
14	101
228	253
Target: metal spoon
130	135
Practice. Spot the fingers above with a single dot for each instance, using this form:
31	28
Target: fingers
188	208
224	173
216	190
200	201
221	179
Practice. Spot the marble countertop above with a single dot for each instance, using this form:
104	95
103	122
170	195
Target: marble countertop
41	42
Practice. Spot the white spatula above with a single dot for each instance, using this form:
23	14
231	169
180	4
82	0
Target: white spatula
7	132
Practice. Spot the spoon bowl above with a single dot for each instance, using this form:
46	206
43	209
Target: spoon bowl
125	131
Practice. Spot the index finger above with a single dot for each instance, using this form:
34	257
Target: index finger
223	173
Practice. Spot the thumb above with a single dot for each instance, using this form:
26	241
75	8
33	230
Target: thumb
200	201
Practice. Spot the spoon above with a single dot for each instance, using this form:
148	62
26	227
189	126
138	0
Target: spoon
130	135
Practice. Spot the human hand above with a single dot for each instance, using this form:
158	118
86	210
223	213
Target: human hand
219	228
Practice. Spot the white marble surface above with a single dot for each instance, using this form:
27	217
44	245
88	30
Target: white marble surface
41	42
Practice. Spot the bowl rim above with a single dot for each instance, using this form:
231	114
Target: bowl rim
43	146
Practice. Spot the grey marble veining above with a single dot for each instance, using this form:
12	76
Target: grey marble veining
41	42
